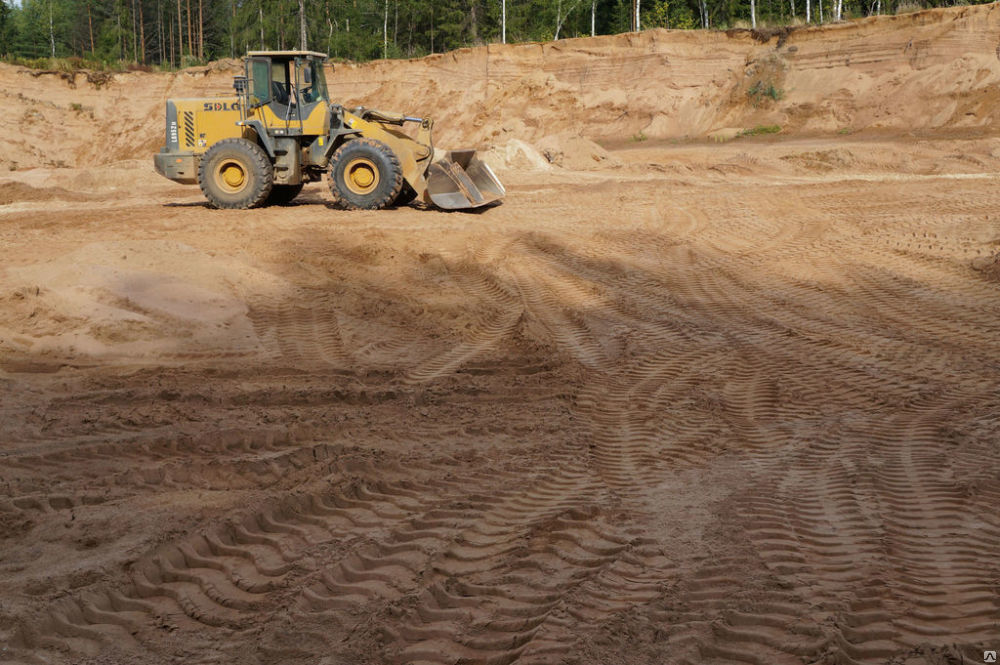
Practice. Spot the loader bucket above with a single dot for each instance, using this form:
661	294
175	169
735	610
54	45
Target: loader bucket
460	180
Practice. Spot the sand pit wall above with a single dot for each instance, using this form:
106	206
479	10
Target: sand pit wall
926	70
921	71
56	119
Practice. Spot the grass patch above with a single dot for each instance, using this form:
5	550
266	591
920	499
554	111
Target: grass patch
639	137
761	130
30	63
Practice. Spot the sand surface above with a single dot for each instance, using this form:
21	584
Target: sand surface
676	401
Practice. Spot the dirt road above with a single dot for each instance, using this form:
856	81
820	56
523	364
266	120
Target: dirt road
718	403
674	402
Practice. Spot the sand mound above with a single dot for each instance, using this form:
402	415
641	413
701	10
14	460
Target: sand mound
515	155
566	150
131	300
116	179
572	151
12	192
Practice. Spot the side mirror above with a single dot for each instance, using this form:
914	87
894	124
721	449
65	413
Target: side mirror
307	76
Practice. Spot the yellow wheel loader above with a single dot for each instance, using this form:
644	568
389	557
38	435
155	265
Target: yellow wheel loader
280	131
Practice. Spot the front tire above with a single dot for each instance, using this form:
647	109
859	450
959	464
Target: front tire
236	174
365	175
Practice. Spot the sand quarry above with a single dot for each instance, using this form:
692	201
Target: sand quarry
679	400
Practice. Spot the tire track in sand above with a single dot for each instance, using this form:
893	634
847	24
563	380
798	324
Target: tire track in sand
225	578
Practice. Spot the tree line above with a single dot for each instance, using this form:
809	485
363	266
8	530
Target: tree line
178	33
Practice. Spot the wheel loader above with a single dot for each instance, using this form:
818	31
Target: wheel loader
280	131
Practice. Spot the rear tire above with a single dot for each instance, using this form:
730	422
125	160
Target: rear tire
365	175
283	194
235	174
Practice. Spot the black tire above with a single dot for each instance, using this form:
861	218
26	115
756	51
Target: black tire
406	195
365	175
236	174
283	194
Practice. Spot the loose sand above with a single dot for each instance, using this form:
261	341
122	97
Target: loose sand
676	401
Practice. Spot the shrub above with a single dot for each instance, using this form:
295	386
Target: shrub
760	89
761	129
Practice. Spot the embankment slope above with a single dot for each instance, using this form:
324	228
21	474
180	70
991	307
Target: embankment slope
930	71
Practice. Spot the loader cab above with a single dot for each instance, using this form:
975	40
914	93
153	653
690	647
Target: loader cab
290	85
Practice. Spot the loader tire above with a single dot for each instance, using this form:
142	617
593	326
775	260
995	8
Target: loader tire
236	174
365	175
283	194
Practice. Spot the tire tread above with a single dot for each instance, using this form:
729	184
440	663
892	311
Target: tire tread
341	200
258	194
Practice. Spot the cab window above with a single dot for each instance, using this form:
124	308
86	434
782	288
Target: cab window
313	82
260	73
279	82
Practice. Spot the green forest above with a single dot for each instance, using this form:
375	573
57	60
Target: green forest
179	33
